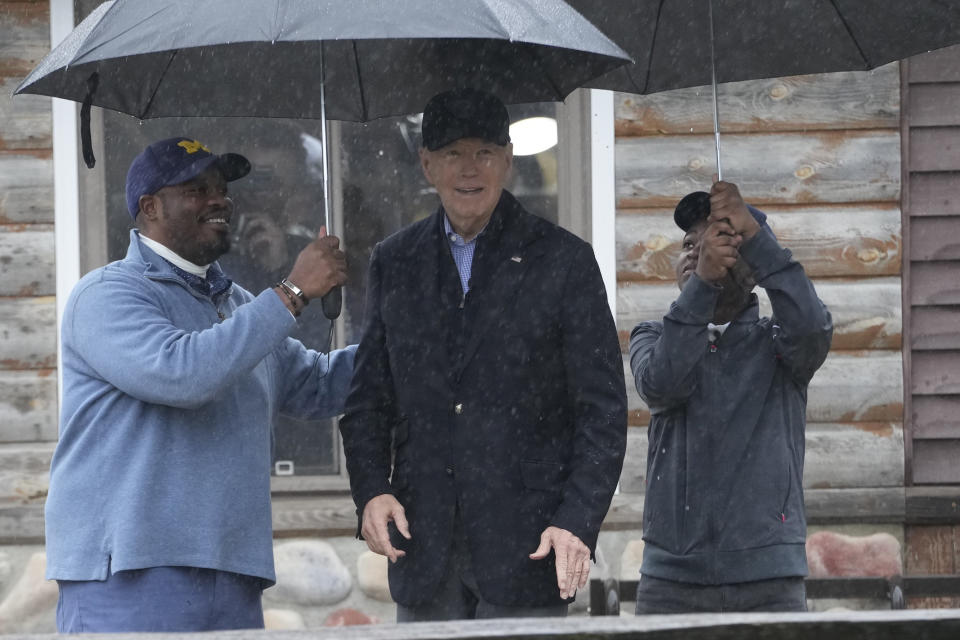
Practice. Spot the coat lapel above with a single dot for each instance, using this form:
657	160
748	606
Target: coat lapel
501	270
426	298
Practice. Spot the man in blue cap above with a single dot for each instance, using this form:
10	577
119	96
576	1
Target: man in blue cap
158	515
486	425
723	516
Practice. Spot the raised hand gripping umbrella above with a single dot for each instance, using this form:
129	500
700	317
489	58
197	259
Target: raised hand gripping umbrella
356	60
691	43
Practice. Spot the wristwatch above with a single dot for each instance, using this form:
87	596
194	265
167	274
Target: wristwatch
295	290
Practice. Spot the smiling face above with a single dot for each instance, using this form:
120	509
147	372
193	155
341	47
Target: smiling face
192	219
469	175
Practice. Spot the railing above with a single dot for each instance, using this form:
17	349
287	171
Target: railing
606	595
928	624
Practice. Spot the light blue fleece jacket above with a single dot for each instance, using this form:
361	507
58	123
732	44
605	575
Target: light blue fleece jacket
166	418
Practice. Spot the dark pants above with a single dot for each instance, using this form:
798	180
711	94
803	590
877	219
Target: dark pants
458	597
161	599
666	596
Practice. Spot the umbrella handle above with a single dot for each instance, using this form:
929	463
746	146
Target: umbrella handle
332	303
86	143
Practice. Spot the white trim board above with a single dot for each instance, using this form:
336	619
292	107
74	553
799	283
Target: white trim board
603	196
66	189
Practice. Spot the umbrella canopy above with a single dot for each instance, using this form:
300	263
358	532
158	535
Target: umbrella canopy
670	40
355	61
156	58
689	43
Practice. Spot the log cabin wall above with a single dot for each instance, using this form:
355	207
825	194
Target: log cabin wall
931	219
28	380
821	155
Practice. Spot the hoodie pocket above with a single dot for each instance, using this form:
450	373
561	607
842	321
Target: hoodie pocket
785	503
793	528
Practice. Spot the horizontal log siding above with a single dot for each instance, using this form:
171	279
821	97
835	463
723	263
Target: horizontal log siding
821	155
28	355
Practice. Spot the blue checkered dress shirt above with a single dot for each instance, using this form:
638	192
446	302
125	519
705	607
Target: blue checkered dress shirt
462	253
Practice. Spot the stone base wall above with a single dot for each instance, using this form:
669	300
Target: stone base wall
336	581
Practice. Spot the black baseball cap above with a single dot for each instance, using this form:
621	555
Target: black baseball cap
464	113
175	160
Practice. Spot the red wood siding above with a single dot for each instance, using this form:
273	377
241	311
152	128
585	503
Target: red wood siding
931	210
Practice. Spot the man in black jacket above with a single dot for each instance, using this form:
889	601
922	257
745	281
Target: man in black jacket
486	426
723	518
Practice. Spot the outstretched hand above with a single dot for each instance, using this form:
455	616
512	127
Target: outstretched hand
572	557
377	514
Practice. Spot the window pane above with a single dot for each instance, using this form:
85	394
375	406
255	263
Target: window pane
278	210
378	188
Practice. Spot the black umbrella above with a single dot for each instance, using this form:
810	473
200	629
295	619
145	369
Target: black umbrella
690	43
352	60
375	58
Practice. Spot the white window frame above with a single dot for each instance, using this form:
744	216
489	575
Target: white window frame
603	190
587	204
66	179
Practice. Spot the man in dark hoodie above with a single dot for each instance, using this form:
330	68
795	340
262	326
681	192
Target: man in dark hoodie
723	520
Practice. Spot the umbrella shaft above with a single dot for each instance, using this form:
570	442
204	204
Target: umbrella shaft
327	212
713	79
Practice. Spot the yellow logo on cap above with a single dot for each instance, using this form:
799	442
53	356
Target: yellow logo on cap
192	146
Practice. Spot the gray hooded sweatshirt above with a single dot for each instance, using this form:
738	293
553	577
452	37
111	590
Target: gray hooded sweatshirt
724	495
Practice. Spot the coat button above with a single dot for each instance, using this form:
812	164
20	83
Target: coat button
458	408
449	471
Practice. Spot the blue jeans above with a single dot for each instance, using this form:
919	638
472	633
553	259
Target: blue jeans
655	595
161	599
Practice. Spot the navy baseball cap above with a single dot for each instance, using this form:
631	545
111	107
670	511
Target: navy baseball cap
695	207
173	161
464	113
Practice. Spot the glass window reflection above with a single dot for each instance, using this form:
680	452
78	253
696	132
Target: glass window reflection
377	186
